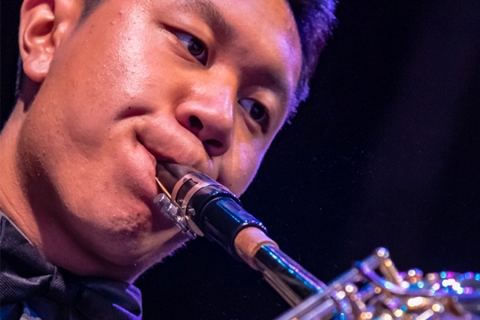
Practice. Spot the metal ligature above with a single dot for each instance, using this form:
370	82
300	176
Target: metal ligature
372	289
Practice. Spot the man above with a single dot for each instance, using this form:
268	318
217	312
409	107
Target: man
109	88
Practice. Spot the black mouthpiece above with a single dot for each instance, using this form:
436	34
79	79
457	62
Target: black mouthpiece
211	206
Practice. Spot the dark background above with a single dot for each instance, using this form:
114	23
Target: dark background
384	153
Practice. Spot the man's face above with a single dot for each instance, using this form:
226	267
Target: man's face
200	83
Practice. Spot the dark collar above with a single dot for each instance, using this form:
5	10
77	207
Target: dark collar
27	278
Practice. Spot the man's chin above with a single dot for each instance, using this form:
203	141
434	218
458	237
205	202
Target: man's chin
171	253
140	265
172	245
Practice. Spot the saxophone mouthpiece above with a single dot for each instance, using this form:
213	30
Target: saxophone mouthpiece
205	207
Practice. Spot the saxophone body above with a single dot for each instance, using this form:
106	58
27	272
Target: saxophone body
374	289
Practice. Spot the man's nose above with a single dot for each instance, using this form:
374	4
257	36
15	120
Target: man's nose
208	112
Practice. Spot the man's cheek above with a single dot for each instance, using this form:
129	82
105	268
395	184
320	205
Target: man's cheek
82	135
245	166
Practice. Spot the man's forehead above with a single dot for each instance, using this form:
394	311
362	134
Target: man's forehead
211	14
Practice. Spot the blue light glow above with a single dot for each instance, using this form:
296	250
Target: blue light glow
389	285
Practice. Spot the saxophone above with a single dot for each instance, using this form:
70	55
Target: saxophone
372	289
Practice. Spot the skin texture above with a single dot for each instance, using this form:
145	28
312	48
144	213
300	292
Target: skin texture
107	98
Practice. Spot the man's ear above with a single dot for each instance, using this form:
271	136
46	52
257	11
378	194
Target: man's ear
43	26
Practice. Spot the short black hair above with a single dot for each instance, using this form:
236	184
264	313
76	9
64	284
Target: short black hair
314	18
88	7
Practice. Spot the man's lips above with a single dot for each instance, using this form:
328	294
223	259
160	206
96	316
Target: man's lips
152	158
196	165
190	157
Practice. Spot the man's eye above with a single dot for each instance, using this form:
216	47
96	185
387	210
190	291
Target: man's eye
256	110
196	47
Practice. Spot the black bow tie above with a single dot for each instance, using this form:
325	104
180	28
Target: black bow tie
28	279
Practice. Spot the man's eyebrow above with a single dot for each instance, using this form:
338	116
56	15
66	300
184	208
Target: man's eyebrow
275	81
209	12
